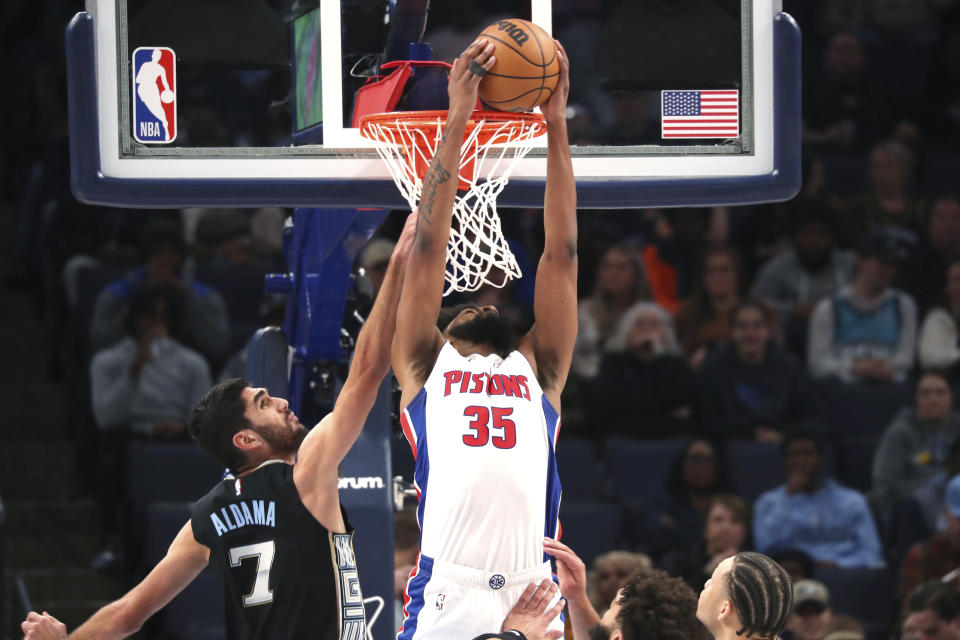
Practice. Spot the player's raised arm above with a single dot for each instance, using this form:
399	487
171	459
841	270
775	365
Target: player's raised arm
184	560
328	443
549	344
418	341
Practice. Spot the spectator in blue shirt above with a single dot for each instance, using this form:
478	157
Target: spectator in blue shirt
815	514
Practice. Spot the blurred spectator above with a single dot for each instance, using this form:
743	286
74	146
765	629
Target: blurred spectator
842	109
610	571
812	618
644	355
929	496
818	515
705	320
144	386
915	446
751	388
696	475
203	320
223	238
932	613
621	281
799	564
889	203
812	269
939	556
867	330
725	530
925	275
939	342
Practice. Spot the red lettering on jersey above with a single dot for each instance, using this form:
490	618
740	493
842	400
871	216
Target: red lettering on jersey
465	383
452	377
477	383
495	387
522	380
511	387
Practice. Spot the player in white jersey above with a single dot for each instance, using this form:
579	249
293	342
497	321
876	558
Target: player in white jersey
481	414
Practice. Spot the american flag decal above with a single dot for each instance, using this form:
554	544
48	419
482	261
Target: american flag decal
700	114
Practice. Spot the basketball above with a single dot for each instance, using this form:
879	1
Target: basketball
526	69
167	96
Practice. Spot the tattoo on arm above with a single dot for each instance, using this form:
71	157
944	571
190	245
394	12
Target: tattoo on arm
436	176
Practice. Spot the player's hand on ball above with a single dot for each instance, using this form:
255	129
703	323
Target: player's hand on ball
555	109
464	81
533	614
42	627
571	571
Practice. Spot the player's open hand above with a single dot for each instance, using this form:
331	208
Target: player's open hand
555	109
42	627
465	76
405	243
571	571
533	614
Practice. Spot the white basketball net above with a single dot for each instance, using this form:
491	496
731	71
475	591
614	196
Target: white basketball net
477	253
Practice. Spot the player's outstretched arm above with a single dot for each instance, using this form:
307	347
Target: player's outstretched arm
328	443
572	575
418	341
549	344
184	560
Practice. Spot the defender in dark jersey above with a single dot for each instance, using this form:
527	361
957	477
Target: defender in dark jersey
274	528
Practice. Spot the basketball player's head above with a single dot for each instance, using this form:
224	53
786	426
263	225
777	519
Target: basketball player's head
933	613
241	426
651	605
478	326
748	595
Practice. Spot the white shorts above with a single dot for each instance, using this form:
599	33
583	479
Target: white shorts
445	601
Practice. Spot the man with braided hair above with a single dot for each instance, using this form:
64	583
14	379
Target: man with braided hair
749	596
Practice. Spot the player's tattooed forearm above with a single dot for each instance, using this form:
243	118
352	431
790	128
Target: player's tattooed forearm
436	176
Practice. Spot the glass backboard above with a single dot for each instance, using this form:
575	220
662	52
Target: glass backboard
251	102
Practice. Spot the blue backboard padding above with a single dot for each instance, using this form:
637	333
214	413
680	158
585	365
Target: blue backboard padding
91	186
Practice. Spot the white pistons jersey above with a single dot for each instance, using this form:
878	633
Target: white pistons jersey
483	435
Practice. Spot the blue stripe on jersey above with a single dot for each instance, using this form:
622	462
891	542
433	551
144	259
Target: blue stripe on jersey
415	589
417	410
552	511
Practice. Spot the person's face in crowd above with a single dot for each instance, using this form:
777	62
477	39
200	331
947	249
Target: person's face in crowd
163	264
648	335
155	321
272	419
610	573
875	274
934	398
886	170
750	334
953	286
810	621
944	228
802	457
714	600
720	276
844	55
617	273
927	625
700	466
723	529
814	244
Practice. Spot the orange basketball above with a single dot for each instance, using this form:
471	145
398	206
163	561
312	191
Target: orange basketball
526	69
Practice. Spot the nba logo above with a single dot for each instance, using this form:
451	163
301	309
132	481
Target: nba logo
154	95
440	599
